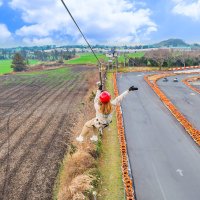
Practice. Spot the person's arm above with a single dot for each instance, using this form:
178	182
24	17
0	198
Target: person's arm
96	99
118	99
98	93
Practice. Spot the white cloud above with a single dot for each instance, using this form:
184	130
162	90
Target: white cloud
1	2
4	33
5	36
187	8
100	20
37	42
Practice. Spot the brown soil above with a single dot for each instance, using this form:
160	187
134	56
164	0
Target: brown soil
37	116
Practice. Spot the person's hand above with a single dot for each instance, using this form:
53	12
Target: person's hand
132	88
100	87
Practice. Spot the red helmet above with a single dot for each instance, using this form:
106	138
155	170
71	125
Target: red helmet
105	97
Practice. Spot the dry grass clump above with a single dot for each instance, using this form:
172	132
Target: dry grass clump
75	183
77	178
80	162
79	196
81	183
78	189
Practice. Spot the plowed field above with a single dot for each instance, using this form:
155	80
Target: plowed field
37	114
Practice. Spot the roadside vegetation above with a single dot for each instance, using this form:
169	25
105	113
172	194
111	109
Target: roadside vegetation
167	58
111	187
79	175
92	169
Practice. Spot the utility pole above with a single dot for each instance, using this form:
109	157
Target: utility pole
116	60
125	57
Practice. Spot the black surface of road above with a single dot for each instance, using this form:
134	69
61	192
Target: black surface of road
165	161
185	99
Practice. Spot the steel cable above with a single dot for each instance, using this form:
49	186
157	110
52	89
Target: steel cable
99	63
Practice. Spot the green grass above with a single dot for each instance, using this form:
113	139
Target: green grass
111	187
51	77
131	55
85	58
50	74
88	58
33	62
5	65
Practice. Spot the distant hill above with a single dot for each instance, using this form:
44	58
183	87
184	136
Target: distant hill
196	45
172	43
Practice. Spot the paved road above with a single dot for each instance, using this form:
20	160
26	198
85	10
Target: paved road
165	161
196	84
185	99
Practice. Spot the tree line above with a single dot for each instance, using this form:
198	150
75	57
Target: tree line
51	55
166	58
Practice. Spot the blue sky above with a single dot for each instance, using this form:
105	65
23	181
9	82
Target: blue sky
39	22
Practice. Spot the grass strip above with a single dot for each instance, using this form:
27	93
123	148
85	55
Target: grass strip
111	187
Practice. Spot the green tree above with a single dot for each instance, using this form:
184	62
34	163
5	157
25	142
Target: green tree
60	61
18	63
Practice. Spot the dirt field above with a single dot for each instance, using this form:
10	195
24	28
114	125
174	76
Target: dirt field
37	113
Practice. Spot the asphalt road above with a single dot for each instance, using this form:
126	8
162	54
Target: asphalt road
165	161
185	99
196	84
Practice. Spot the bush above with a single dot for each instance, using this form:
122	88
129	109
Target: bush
18	63
60	61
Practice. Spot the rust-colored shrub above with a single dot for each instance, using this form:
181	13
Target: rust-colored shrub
128	185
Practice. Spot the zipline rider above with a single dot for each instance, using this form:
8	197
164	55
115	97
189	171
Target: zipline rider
104	110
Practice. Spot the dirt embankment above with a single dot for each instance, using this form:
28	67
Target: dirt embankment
37	115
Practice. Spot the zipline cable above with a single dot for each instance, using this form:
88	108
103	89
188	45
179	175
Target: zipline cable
99	63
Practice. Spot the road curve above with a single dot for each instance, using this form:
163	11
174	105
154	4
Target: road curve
185	99
165	161
196	84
